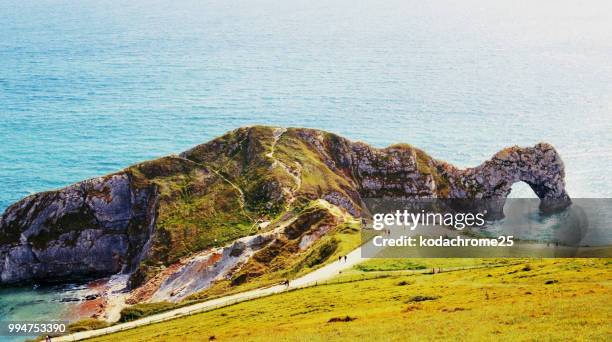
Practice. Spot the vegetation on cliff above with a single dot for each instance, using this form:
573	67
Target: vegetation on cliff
253	207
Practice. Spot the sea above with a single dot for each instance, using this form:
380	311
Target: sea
89	87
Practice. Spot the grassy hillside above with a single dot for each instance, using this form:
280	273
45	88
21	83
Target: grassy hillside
223	190
550	299
254	180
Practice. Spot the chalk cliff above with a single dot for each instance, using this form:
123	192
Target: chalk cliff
284	189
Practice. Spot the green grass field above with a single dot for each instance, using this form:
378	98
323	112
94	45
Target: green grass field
525	300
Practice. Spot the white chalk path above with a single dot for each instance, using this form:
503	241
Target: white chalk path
319	276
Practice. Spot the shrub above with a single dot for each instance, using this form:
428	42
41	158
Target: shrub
341	319
419	298
145	309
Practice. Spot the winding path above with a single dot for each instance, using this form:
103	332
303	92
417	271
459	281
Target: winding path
322	274
276	135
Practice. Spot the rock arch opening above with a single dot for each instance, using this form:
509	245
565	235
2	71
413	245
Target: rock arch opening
539	168
521	189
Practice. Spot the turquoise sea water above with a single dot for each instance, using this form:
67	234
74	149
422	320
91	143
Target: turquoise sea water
37	304
89	87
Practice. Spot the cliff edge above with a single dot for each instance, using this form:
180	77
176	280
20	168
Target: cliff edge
243	204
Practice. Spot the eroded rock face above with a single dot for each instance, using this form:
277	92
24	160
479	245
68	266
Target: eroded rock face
402	171
203	269
540	167
152	214
88	229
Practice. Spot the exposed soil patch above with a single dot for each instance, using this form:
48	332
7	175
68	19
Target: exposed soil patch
419	298
146	291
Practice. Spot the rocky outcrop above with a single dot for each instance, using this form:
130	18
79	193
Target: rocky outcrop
490	183
402	171
89	229
151	215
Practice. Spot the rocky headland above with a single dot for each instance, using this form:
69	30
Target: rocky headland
253	202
